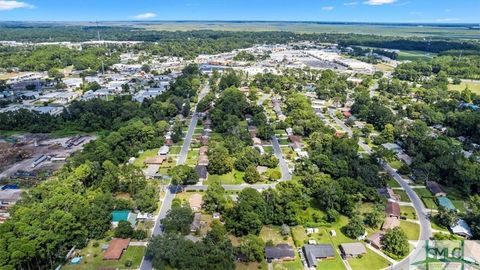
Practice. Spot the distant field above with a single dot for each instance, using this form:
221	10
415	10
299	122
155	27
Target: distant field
474	86
313	27
414	55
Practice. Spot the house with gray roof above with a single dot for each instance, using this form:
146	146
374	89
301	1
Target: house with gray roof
280	252
313	253
352	250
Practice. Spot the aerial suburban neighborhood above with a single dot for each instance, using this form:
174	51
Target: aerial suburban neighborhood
238	145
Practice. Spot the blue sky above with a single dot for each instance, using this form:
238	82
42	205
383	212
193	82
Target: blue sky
446	11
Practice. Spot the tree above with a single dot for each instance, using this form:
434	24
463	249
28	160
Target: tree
220	161
446	217
229	79
395	242
146	199
178	219
251	175
373	219
183	175
124	230
214	199
253	248
146	68
354	228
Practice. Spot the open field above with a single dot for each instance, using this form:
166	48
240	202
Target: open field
411	229
414	55
234	178
405	30
368	261
141	158
474	86
408	212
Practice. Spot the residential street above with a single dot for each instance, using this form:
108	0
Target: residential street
422	213
169	196
286	175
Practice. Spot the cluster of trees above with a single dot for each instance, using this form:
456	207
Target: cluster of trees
467	67
372	110
359	51
43	58
76	204
214	251
330	85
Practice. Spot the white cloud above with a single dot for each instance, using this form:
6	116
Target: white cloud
351	3
379	2
327	8
9	5
447	19
147	15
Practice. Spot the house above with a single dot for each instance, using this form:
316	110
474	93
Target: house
202	172
163	151
375	239
446	203
392	147
156	160
389	194
261	169
203	160
203	150
280	252
393	209
347	114
390	223
9	197
196	223
195	202
435	188
313	253
462	229
116	248
352	250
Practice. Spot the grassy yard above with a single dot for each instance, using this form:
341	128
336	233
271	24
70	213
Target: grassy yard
393	183
403	195
233	178
334	264
175	150
292	265
93	258
411	229
371	260
396	164
251	265
147	154
192	157
473	86
408	212
273	233
427	197
414	55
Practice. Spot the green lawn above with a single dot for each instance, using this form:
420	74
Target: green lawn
147	154
371	261
192	157
427	197
291	265
393	183
473	86
175	150
251	265
408	212
273	233
396	164
411	229
414	55
93	258
403	195
233	178
334	264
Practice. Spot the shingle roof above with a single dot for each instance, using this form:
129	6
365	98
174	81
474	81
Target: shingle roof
279	252
116	248
435	188
353	249
393	209
314	252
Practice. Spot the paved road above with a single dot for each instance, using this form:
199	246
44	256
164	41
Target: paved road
169	196
286	175
422	213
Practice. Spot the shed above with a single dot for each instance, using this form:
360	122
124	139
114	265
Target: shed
116	248
279	252
352	250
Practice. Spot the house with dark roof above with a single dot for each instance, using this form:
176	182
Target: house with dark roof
196	223
352	250
435	188
313	253
393	209
202	172
280	252
389	194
